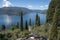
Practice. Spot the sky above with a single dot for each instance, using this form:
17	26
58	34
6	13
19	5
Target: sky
31	4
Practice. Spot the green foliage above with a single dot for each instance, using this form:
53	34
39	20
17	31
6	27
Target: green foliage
3	27
30	22
41	30
53	16
13	35
26	25
53	31
21	24
37	20
13	27
51	11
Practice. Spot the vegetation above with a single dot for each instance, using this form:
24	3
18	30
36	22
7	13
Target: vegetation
13	35
53	31
53	18
3	27
37	20
51	11
30	22
21	24
17	33
26	25
50	30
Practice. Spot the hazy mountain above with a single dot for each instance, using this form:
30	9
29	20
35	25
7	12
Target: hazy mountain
17	10
13	10
40	11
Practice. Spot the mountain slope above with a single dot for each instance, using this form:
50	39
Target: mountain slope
13	10
51	11
17	10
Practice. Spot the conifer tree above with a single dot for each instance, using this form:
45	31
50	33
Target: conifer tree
37	20
21	22
26	25
30	22
53	31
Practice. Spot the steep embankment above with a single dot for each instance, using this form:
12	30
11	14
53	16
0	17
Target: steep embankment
51	11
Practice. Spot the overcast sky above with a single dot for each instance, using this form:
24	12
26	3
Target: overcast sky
31	4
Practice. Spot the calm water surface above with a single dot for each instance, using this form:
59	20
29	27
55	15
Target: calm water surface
14	19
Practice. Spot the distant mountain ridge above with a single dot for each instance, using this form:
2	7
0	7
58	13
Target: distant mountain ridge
17	10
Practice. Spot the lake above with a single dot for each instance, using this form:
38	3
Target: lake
14	19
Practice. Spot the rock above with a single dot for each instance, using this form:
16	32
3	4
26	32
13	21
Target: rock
33	37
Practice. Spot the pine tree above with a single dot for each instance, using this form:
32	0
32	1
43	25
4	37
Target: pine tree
30	22
26	25
37	20
53	31
21	22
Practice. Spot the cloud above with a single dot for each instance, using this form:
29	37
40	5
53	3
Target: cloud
30	7
6	3
4	0
43	7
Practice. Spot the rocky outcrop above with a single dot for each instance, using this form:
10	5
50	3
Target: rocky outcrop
33	37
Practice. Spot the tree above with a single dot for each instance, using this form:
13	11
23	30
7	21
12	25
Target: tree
21	22
50	11
53	31
37	20
3	27
30	22
26	25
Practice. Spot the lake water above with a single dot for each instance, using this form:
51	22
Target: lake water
14	19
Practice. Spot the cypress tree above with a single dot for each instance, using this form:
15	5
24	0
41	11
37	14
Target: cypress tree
30	22
26	25
37	20
53	31
21	22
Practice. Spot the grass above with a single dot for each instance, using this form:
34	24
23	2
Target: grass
16	33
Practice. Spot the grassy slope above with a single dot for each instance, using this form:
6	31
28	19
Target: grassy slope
40	30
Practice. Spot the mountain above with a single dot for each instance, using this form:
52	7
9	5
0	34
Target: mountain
17	10
40	11
13	10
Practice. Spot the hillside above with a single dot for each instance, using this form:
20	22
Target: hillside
16	10
13	10
53	7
